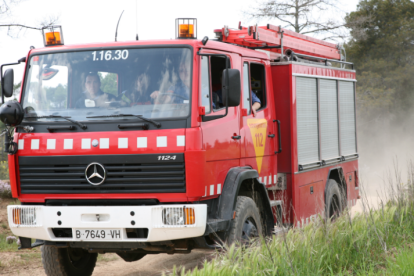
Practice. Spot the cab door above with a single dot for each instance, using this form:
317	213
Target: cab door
258	131
221	137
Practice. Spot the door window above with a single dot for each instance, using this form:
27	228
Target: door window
246	88
211	83
258	87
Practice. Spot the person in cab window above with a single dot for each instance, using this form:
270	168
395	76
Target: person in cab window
180	91
138	95
93	96
218	100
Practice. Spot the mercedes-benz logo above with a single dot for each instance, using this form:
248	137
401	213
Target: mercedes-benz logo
95	173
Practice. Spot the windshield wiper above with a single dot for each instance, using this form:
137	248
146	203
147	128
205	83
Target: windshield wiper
82	126
129	115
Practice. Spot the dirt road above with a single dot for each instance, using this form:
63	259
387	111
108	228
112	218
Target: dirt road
148	266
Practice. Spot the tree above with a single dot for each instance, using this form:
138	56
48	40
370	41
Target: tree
6	7
383	53
109	83
299	15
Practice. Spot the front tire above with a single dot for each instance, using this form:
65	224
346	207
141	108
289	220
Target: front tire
247	224
67	261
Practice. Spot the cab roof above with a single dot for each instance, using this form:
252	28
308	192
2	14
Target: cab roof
195	43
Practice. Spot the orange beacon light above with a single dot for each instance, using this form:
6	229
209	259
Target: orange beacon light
52	36
186	28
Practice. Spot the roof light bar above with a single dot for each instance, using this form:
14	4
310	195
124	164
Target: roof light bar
52	36
186	28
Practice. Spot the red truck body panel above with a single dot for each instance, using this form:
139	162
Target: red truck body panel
209	150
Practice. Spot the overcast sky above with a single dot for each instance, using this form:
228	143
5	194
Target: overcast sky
86	21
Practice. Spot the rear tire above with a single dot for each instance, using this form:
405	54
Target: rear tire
67	261
247	224
334	200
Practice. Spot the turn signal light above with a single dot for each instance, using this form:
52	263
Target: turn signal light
189	216
53	36
16	216
24	216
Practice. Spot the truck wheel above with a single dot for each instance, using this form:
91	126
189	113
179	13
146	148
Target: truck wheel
333	200
246	224
67	261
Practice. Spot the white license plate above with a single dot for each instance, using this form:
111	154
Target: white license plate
97	234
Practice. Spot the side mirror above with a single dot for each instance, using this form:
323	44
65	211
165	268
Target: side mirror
233	89
7	83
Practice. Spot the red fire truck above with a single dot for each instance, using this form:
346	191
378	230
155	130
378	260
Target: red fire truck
147	147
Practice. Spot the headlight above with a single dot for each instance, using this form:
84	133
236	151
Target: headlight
24	216
178	216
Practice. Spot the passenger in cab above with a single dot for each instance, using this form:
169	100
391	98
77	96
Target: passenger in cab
93	96
218	100
180	91
138	95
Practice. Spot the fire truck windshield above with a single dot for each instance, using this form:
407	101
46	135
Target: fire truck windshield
152	82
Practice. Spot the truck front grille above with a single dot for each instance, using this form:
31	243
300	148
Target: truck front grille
144	173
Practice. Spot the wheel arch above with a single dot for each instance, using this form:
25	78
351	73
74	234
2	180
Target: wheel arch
244	181
337	174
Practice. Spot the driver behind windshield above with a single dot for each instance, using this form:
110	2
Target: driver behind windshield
180	91
93	96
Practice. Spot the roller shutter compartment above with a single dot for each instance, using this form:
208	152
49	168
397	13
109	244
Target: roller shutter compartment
307	120
329	119
347	118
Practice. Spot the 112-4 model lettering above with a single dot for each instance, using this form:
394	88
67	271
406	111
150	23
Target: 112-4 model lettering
167	157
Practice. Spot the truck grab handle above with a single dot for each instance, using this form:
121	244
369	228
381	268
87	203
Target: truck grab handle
279	135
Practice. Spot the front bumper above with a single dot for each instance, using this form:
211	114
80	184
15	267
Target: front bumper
113	217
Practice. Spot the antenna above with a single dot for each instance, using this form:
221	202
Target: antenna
136	18
116	31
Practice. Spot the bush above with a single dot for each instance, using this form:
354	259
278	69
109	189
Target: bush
4	170
5	190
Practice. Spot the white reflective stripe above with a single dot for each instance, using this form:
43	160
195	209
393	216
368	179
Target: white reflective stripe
35	144
21	144
265	180
68	144
218	189
162	141
122	143
260	179
270	179
104	143
275	179
211	190
86	143
180	140
51	144
141	142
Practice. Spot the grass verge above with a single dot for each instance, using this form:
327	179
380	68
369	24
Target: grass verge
375	242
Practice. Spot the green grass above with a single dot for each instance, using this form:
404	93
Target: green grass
402	263
379	242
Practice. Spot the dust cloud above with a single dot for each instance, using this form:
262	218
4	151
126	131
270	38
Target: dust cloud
386	152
